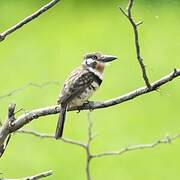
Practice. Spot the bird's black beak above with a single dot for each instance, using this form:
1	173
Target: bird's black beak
107	58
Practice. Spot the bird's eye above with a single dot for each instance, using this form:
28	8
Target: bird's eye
94	57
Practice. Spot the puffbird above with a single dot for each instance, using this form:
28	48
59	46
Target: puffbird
81	84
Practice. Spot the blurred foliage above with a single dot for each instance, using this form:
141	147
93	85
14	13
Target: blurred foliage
48	48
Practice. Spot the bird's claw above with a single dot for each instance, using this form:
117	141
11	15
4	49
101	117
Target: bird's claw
86	104
78	110
89	105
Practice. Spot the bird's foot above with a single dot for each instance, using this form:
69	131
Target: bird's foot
78	110
89	105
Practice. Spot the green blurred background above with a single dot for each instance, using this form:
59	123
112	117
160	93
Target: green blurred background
48	48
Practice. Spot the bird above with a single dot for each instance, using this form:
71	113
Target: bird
81	85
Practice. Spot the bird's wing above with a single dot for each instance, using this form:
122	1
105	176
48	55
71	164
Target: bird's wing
77	82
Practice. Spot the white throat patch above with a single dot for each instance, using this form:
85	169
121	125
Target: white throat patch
89	61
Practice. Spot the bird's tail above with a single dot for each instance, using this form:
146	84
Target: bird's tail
60	123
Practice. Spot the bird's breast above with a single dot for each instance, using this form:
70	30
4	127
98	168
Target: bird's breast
85	95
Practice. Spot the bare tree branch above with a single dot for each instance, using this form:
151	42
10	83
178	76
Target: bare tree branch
135	25
88	152
7	125
25	118
86	147
4	146
166	140
15	91
90	156
50	136
28	19
35	177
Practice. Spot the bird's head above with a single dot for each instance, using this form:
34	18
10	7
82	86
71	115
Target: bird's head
97	61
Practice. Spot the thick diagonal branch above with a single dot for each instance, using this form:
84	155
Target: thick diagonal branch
35	114
35	177
28	19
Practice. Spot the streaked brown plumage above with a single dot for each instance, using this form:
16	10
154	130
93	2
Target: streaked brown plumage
81	84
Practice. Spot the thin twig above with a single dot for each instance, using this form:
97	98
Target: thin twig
88	152
35	177
28	19
15	91
166	140
89	156
50	136
135	25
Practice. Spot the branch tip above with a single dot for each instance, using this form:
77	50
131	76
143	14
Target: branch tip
11	109
175	71
139	23
28	19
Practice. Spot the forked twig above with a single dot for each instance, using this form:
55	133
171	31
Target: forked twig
135	25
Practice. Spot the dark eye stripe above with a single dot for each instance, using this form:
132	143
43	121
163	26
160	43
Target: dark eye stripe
91	56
